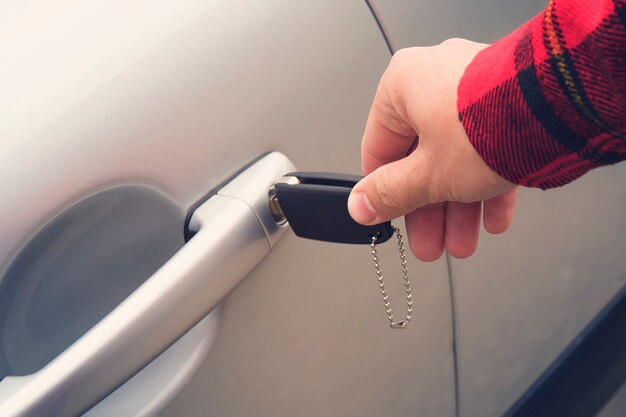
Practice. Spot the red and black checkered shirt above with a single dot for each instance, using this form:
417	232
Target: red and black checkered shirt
547	103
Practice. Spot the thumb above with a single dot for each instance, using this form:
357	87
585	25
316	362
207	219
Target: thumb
391	191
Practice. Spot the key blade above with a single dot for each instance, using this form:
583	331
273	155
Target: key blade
327	178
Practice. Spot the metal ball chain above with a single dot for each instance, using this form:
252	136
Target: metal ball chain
381	283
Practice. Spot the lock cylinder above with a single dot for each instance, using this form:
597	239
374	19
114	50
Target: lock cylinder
277	211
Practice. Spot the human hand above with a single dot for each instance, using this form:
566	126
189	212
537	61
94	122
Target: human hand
419	162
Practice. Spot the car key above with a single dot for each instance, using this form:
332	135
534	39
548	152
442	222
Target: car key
315	204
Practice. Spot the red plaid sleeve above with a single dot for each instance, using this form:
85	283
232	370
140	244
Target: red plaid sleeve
547	103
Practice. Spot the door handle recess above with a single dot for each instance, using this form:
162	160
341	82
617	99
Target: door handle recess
234	231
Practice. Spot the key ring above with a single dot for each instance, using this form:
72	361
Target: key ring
381	283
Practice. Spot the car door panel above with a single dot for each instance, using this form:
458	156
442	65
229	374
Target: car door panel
526	294
302	336
428	22
211	90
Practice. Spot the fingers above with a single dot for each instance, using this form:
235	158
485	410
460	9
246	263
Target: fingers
383	144
462	226
388	138
498	211
455	225
391	187
426	230
389	192
388	132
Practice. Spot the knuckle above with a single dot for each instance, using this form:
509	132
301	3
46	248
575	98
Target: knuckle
400	56
401	61
453	42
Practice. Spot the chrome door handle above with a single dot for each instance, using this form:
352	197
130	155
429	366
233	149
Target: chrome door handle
234	232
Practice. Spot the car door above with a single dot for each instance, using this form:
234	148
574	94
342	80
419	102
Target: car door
527	294
118	119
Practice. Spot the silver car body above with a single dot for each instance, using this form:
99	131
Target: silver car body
148	106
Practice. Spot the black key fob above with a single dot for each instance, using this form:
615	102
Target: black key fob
316	206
